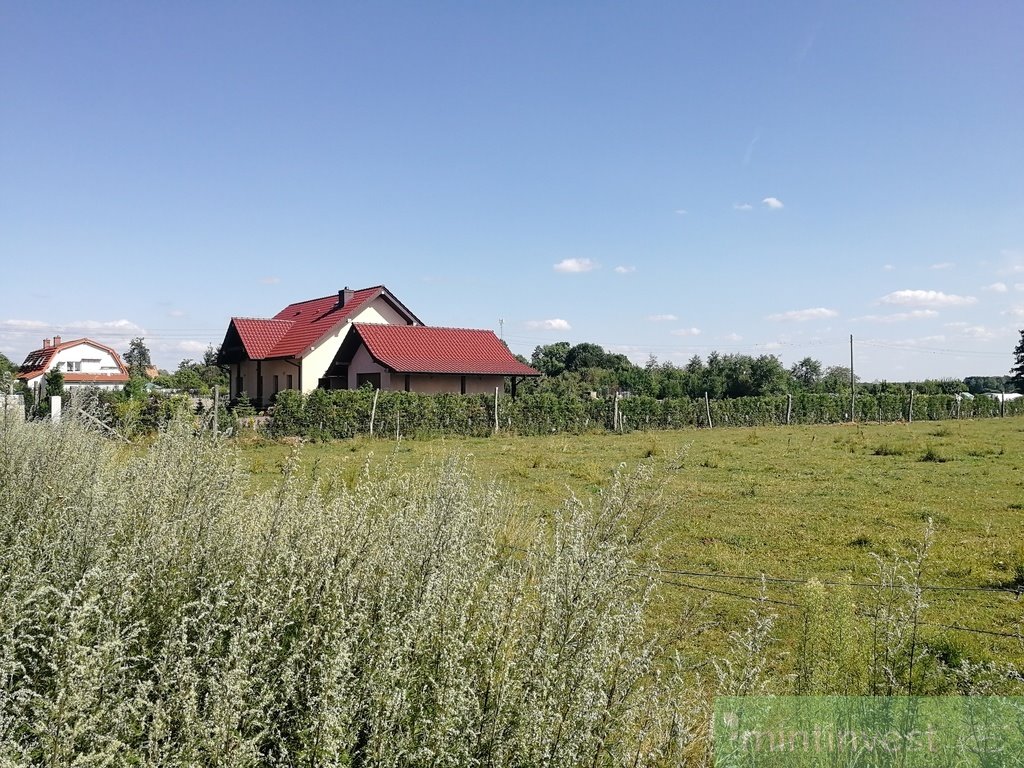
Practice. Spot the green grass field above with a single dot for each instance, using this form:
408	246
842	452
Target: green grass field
786	502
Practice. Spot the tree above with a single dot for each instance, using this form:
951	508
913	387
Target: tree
137	357
54	383
6	366
806	373
836	379
1017	370
549	359
585	355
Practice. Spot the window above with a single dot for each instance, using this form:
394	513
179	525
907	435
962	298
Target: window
277	388
288	379
239	385
373	379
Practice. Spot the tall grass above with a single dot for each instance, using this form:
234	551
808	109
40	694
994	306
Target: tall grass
153	612
156	611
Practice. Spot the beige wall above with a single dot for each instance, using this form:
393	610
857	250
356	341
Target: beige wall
316	363
268	369
426	383
438	383
363	363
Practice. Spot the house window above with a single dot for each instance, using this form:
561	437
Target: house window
288	379
277	388
239	385
372	379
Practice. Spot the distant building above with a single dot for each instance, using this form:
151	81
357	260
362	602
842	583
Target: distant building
314	345
83	362
422	358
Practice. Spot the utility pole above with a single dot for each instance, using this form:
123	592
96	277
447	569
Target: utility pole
501	328
853	388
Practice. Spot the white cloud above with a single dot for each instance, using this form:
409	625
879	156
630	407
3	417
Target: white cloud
732	337
742	207
773	202
772	345
996	288
686	332
681	211
554	324
801	315
1017	312
898	317
661	318
919	298
117	326
1018	286
979	332
270	280
943	265
888	268
575	265
25	324
624	270
189	345
176	313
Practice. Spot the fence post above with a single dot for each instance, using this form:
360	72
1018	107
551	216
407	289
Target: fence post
373	411
789	408
910	416
495	410
707	407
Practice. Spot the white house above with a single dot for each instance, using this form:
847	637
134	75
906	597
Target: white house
83	362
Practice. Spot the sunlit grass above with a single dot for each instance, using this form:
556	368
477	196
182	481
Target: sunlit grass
793	502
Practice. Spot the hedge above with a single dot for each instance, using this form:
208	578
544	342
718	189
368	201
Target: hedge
337	414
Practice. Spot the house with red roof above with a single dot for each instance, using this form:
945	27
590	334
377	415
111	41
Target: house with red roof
423	358
296	348
306	346
83	362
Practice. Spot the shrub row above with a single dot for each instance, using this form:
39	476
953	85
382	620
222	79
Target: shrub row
327	415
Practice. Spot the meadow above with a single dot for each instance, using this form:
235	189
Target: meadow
791	503
195	600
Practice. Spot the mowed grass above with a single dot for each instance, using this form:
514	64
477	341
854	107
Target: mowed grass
786	502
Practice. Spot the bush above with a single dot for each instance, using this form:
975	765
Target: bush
158	613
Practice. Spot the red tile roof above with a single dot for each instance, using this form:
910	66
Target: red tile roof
38	361
299	326
259	335
95	378
425	349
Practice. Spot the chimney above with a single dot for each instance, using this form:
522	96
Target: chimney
345	296
56	341
46	343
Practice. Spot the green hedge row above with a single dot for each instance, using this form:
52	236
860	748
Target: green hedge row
328	415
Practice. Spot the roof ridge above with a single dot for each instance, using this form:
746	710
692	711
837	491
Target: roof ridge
431	327
335	295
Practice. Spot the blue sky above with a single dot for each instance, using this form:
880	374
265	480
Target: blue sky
659	178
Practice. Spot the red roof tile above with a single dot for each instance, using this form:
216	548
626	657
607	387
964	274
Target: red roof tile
95	378
38	361
260	335
297	327
425	349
